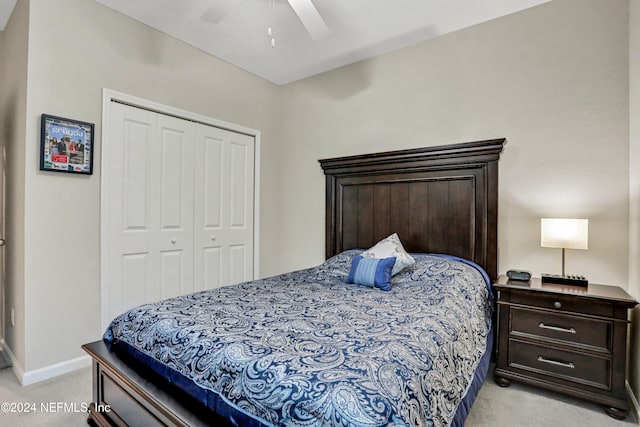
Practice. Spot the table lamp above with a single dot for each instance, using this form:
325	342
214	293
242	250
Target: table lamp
565	234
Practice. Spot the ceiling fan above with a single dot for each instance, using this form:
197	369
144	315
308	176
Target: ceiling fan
306	11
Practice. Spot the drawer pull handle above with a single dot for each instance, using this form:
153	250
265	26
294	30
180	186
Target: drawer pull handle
555	362
557	304
556	328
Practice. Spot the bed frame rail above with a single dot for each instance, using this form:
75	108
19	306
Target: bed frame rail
125	394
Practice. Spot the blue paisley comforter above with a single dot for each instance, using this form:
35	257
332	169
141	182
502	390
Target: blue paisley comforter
307	349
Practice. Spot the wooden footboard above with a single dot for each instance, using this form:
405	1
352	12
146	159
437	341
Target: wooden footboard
127	394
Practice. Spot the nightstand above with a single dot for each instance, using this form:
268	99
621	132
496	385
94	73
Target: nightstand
569	339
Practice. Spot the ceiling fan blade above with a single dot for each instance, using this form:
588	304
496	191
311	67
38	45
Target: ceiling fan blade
310	18
219	10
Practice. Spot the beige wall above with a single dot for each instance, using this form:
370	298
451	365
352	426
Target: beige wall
553	80
103	49
13	99
634	190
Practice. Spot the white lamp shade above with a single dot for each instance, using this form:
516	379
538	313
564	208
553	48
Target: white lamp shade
564	233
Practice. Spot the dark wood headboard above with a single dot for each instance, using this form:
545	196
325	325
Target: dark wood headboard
441	199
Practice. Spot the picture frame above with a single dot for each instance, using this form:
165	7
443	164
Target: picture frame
66	145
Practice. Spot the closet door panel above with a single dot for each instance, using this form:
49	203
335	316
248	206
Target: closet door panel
239	157
131	264
134	143
175	204
209	185
172	272
240	207
134	290
238	263
212	267
212	181
223	207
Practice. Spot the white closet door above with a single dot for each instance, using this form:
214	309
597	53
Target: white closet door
224	188
178	208
176	192
149	208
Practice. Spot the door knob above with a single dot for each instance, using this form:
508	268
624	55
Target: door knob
2	242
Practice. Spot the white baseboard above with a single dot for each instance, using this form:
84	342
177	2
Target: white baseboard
635	407
52	371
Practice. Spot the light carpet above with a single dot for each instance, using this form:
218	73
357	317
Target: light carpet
518	405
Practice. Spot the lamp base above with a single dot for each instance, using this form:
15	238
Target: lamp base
565	280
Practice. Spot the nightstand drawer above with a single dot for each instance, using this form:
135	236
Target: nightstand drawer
562	327
563	303
567	339
567	365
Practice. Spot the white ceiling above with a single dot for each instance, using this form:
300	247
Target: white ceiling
359	28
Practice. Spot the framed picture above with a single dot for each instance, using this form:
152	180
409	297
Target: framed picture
66	145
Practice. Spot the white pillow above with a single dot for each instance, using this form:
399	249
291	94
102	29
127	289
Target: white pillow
391	247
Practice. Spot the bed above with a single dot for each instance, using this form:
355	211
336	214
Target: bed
327	352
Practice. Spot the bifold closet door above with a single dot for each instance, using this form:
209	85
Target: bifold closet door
150	208
224	182
178	211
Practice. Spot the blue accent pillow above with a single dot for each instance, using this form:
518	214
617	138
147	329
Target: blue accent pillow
371	272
